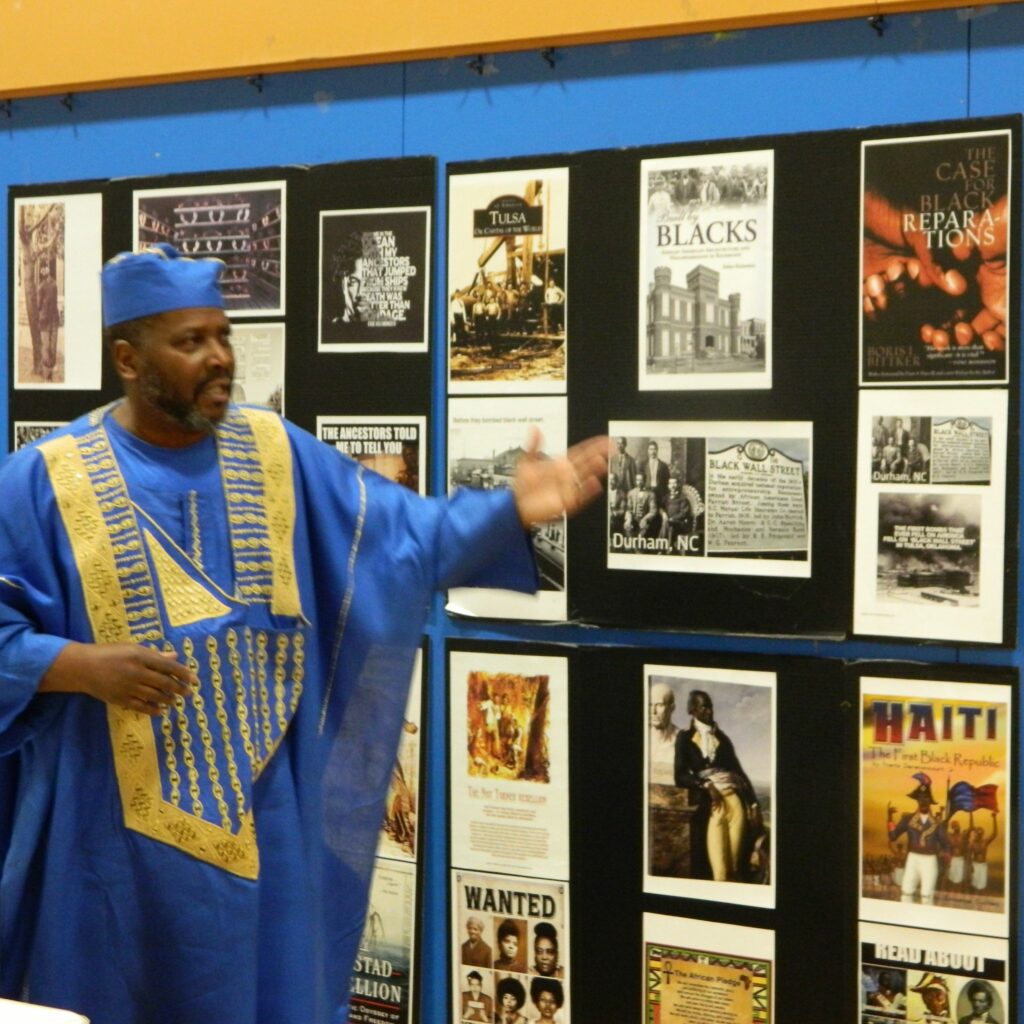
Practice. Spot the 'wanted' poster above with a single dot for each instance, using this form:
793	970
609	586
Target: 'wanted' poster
510	948
709	795
907	974
486	439
936	804
712	497
706	271
509	718
508	288
703	972
931	500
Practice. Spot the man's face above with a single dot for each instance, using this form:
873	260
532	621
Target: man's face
702	709
184	368
935	1000
673	486
510	946
546	955
652	451
474	986
662	705
474	930
354	281
981	1001
621	444
640	481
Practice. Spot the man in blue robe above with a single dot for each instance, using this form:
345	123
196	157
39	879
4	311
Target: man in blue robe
207	625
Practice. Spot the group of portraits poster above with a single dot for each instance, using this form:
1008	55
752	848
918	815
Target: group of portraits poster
393	446
711	497
508	288
242	224
56	323
931	507
710	784
935	264
704	972
28	431
259	365
510	950
381	986
509	718
486	439
705	296
936	804
914	975
374	280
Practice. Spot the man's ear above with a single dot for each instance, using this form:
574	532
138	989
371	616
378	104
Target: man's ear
125	356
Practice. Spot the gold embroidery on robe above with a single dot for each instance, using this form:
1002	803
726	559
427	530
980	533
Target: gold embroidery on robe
185	599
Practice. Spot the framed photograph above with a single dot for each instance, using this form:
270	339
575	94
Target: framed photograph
56	309
242	224
705	295
27	432
259	365
508	287
374	280
394	446
710	784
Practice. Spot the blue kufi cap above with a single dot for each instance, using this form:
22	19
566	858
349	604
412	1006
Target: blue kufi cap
157	280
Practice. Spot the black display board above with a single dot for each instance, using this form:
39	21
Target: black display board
817	246
352	382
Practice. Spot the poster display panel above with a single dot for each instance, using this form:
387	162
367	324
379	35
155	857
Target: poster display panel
936	804
394	446
710	784
704	972
711	497
510	949
931	501
908	974
486	439
508	288
374	280
935	260
509	718
57	325
242	224
705	290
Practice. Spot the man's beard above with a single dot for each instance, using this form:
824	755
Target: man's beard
153	386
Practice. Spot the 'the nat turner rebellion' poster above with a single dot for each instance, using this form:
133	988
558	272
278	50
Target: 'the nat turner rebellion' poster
936	806
935	264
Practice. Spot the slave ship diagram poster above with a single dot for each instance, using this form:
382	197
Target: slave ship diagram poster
486	439
703	972
508	287
935	264
931	507
510	762
706	271
936	804
510	949
710	784
908	974
713	497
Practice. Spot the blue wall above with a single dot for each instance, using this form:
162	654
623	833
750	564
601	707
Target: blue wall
800	78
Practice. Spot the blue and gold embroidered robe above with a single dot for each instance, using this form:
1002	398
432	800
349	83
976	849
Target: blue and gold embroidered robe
211	864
